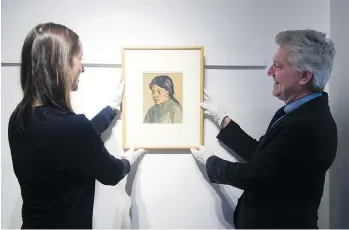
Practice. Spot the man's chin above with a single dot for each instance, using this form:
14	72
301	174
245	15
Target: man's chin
275	93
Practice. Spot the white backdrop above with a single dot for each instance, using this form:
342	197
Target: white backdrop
167	190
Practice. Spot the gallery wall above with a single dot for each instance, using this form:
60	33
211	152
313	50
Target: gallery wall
165	189
339	102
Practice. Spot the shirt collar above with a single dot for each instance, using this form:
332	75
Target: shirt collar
294	105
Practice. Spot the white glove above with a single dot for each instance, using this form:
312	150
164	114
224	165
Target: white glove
213	109
116	97
202	154
131	155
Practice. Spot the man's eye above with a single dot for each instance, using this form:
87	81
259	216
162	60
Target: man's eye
277	66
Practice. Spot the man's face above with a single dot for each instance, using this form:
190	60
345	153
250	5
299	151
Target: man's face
76	69
287	82
160	95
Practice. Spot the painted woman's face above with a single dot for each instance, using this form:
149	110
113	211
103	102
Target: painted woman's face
160	95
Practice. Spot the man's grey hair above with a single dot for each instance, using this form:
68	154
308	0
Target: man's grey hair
310	51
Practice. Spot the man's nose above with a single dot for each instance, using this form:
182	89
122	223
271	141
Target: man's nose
82	68
270	71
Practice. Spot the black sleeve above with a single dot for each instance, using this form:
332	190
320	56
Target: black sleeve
235	138
270	167
103	119
89	156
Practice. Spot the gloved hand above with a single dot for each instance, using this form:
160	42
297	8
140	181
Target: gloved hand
131	155
213	109
202	154
116	97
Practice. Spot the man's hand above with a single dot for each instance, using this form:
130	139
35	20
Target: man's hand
213	109
116	97
202	154
131	155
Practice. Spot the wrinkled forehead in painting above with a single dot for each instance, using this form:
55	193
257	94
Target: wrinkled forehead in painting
158	89
163	82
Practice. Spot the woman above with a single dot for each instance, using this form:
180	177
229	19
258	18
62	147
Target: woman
57	155
166	108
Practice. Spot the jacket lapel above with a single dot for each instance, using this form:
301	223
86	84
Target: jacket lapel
277	125
315	104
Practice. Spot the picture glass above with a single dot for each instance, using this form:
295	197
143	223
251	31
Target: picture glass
162	96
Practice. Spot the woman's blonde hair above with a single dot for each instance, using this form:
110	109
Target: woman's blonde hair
46	63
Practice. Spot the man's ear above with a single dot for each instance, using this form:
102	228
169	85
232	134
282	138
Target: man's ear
306	77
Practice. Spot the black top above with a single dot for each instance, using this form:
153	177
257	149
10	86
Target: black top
56	161
284	174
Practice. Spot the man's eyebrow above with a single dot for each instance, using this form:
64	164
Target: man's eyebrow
277	62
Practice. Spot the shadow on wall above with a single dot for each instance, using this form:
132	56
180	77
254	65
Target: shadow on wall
107	133
130	217
227	205
16	217
135	206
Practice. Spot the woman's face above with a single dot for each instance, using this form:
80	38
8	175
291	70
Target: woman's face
160	95
76	68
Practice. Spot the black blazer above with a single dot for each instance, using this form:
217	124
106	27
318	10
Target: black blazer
57	161
284	174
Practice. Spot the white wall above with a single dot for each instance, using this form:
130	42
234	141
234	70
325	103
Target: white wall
339	102
167	190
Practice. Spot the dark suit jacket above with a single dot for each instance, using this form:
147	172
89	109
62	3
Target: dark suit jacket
284	176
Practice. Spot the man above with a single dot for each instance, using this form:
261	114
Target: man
284	173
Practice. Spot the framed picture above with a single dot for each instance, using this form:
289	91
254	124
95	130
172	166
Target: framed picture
162	96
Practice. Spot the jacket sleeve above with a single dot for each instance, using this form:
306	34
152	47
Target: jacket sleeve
270	167
235	138
103	119
89	156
